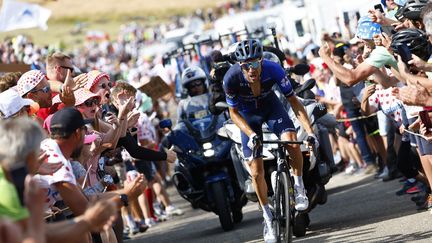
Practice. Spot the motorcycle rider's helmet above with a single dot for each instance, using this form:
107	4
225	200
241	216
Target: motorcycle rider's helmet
248	50
271	57
411	10
416	40
191	77
366	29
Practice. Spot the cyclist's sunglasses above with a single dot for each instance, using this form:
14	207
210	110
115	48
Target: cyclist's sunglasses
249	65
45	89
91	102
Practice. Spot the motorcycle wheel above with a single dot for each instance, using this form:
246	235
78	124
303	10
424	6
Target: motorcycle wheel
323	197
223	208
300	224
237	215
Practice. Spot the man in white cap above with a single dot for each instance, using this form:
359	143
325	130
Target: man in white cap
12	105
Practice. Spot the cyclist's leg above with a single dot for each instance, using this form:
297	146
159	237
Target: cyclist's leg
282	126
294	152
280	123
256	164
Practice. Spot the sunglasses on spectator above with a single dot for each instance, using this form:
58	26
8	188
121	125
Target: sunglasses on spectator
195	83
91	102
105	85
249	65
71	69
45	89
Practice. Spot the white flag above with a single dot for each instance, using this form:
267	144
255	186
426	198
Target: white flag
18	15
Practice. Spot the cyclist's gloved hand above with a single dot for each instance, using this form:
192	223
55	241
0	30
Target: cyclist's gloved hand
312	140
254	141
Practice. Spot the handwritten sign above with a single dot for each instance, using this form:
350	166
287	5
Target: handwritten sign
155	87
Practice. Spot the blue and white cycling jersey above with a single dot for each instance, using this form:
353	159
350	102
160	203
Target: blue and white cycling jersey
239	94
264	108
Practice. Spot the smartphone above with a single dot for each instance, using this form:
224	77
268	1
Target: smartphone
346	18
424	117
405	53
379	7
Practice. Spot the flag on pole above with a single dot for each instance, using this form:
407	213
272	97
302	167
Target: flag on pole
18	15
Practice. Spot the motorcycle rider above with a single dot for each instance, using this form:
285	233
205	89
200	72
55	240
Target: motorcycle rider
251	101
195	106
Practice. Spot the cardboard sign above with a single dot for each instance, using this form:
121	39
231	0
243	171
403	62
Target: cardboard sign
15	67
155	88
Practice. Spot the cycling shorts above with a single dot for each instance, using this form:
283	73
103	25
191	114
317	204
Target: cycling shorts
274	115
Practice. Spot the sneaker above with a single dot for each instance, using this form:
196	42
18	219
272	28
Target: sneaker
141	227
301	200
429	203
173	211
371	168
407	185
150	222
157	208
269	233
413	190
351	169
384	174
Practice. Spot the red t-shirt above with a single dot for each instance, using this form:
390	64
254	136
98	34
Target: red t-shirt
43	113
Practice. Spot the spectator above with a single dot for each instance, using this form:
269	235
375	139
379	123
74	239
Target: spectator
12	105
22	200
9	80
33	85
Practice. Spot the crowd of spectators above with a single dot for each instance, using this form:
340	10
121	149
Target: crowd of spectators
80	157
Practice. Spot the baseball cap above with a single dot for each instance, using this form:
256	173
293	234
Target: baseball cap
66	121
11	102
367	29
29	80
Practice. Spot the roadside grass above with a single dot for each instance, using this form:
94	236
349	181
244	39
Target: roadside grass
104	15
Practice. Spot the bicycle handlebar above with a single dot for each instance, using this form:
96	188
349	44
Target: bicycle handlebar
283	142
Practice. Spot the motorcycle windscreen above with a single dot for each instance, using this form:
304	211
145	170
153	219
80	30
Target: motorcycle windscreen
204	126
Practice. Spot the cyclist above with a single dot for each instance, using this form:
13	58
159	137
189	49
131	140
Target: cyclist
248	87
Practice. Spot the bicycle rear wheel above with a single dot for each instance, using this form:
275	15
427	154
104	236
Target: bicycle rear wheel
283	205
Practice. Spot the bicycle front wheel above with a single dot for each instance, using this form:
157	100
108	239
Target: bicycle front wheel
283	208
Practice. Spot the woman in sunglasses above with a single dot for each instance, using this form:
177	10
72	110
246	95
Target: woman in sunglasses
248	87
107	132
99	83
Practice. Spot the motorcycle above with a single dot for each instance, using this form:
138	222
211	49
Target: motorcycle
316	165
204	175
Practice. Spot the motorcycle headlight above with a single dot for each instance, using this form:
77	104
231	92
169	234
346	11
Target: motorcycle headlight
209	153
207	146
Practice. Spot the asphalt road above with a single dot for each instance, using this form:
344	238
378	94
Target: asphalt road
359	209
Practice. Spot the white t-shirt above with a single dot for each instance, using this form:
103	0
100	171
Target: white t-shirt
393	108
146	129
64	174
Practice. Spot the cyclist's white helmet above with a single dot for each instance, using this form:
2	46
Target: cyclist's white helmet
192	73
